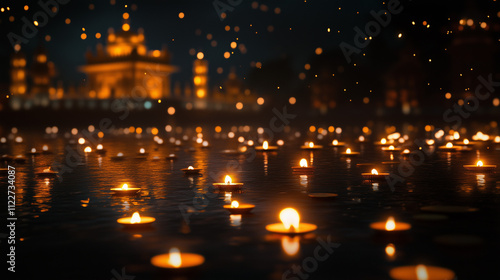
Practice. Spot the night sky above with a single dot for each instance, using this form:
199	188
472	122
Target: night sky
299	28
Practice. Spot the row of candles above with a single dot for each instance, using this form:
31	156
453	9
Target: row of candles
290	218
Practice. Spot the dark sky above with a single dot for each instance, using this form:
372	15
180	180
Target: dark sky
299	28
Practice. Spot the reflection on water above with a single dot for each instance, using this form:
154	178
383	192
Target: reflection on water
235	220
290	245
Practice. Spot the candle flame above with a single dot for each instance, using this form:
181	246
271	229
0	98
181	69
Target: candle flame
227	180
449	145
290	218
374	171
390	225
335	142
421	271
430	142
479	163
391	147
46	170
142	151
174	257
348	151
190	168
466	141
383	141
125	187
88	149
136	218
33	150
99	147
311	145
406	151
303	162
265	145
390	250
235	204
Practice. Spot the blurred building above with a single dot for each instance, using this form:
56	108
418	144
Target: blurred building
126	68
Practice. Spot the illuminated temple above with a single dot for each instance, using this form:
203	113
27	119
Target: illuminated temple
126	67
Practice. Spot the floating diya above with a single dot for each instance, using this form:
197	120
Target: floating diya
33	152
176	260
375	175
421	272
119	156
390	226
171	157
191	171
239	208
100	149
142	152
384	142
480	167
336	143
228	184
125	190
45	149
136	221
350	153
290	223
449	147
265	147
311	146
391	149
303	168
47	172
87	150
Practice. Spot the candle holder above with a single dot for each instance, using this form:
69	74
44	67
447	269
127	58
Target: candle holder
47	173
374	175
136	221
125	190
290	224
349	153
480	167
265	147
421	272
323	195
303	168
228	185
239	208
390	226
177	260
391	149
119	156
191	171
311	146
336	143
171	157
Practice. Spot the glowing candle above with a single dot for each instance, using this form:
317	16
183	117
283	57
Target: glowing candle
391	149
421	272
119	156
33	152
228	184
480	167
290	223
47	172
449	147
336	143
390	226
349	153
191	171
100	149
87	149
375	175
239	208
125	190
303	168
136	221
311	146
266	147
177	260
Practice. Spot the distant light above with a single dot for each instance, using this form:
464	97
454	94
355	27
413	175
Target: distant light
126	27
81	141
26	7
218	129
200	55
67	21
83	36
181	15
239	105
98	35
447	95
148	105
227	55
233	45
126	15
171	110
292	100
496	102
400	35
318	51
230	134
260	100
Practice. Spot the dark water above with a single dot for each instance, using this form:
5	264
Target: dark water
68	228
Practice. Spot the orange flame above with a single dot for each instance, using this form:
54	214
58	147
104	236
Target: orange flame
390	225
